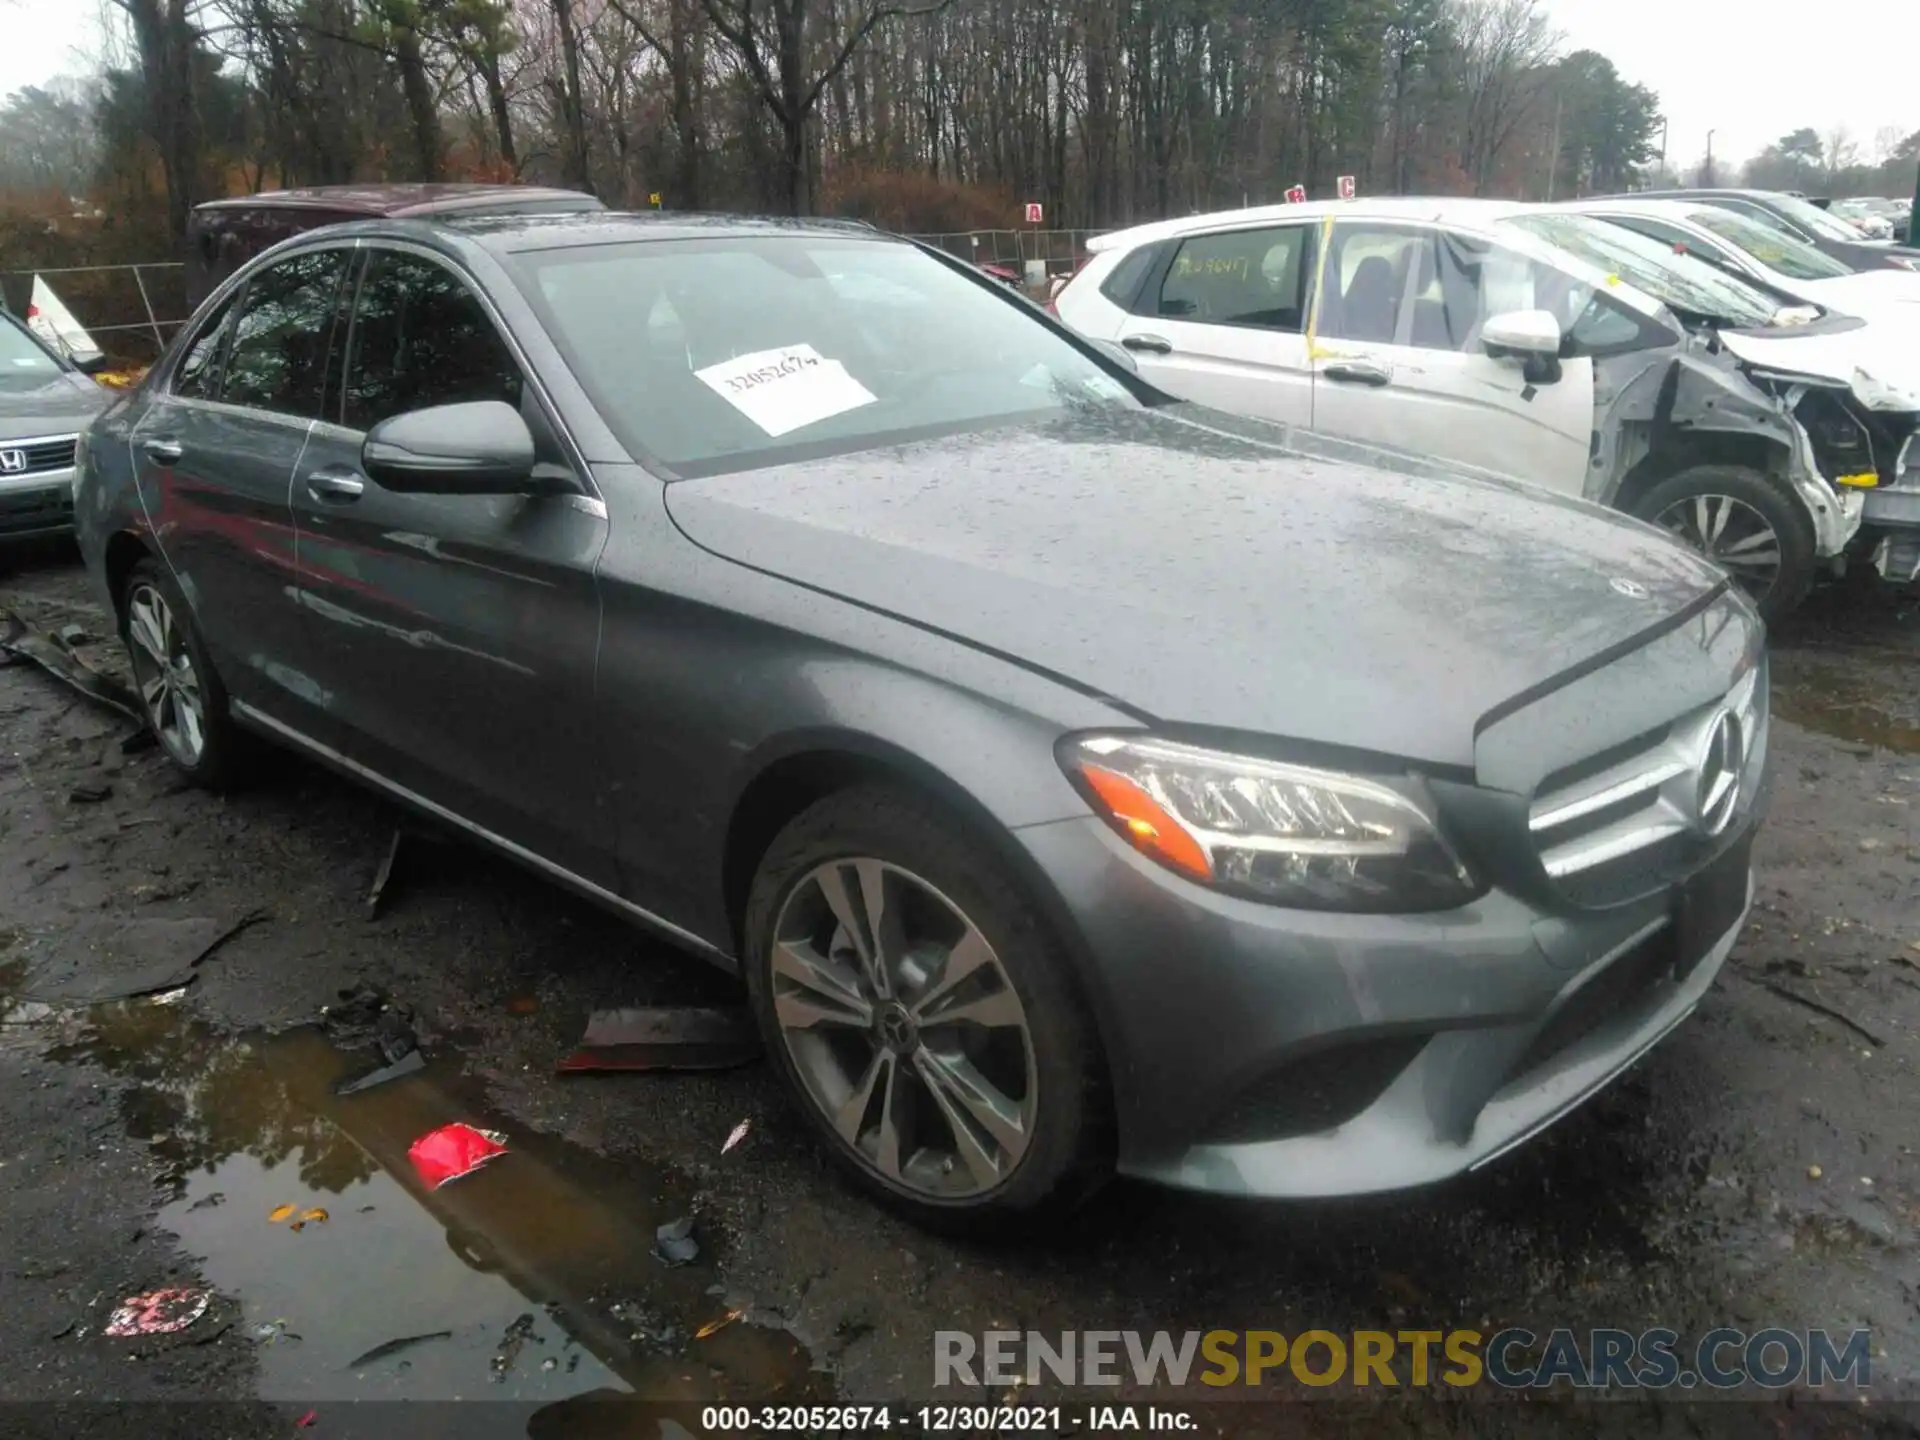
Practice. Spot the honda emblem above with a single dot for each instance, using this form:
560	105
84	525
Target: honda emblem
12	462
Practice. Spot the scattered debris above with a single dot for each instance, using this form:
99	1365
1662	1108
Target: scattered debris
394	1347
20	642
713	1327
208	1202
89	792
274	1332
307	1419
453	1151
311	1217
72	635
667	1038
378	890
673	1242
736	1135
1821	1008
511	1344
412	1063
279	1213
104	957
364	1018
1813	1172
159	1312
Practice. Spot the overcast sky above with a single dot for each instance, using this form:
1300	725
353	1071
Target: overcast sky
1717	65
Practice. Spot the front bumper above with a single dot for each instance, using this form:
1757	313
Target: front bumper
1479	1026
36	504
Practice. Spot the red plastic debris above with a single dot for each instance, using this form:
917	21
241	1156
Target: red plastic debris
307	1419
158	1312
452	1151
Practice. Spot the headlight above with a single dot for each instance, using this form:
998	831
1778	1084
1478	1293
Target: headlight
1287	834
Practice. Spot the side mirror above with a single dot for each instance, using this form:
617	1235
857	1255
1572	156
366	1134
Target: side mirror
480	448
88	362
1529	336
1119	354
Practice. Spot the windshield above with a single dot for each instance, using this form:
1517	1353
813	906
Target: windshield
22	358
1809	216
1775	249
724	354
1687	286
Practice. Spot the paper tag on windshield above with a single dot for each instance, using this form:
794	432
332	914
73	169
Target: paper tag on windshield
781	390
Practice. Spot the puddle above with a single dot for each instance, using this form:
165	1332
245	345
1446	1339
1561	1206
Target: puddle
1845	706
532	1275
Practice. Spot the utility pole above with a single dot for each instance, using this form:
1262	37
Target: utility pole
1710	177
1553	160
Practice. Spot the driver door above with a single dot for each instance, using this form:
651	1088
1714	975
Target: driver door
453	636
1398	359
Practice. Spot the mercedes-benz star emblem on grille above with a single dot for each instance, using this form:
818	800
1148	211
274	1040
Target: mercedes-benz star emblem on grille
12	462
1632	589
1718	785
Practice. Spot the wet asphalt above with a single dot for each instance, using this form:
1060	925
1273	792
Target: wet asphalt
1756	1169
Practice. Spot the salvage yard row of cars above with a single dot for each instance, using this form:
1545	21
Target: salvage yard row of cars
1219	738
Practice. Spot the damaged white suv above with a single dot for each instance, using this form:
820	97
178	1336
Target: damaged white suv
1546	346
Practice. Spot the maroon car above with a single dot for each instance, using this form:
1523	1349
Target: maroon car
224	234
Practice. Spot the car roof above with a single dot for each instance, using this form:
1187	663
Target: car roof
1675	209
1456	211
412	198
504	233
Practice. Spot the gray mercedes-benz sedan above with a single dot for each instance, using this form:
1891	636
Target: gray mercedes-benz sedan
1079	780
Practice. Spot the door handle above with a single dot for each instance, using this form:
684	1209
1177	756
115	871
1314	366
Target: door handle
1152	344
335	485
165	451
1357	372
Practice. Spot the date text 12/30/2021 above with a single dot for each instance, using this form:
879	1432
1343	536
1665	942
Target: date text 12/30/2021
943	1419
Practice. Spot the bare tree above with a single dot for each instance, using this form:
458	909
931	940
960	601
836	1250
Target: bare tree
1841	150
1504	47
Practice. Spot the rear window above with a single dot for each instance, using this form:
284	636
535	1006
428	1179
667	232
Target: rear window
726	354
1122	287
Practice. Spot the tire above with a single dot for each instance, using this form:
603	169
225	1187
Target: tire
1743	497
217	760
936	881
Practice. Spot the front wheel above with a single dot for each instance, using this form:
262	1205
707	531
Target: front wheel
924	1017
1745	524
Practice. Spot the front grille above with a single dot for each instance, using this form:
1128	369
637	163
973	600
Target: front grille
35	457
33	510
1616	818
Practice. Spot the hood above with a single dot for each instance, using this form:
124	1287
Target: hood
43	404
1878	362
1865	292
1195	575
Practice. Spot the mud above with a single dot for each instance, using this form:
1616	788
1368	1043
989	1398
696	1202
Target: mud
145	1144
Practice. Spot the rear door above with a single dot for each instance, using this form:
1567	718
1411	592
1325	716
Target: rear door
215	452
1398	358
455	636
1223	321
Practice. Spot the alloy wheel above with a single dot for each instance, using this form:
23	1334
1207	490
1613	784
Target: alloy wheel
164	673
1732	534
904	1028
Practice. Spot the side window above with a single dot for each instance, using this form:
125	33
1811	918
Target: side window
420	338
1365	286
278	360
1476	281
1248	277
1122	287
1652	229
198	374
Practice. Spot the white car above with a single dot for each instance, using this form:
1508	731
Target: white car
1868	221
1761	252
1551	347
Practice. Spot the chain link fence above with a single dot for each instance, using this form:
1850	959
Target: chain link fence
1056	252
131	311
